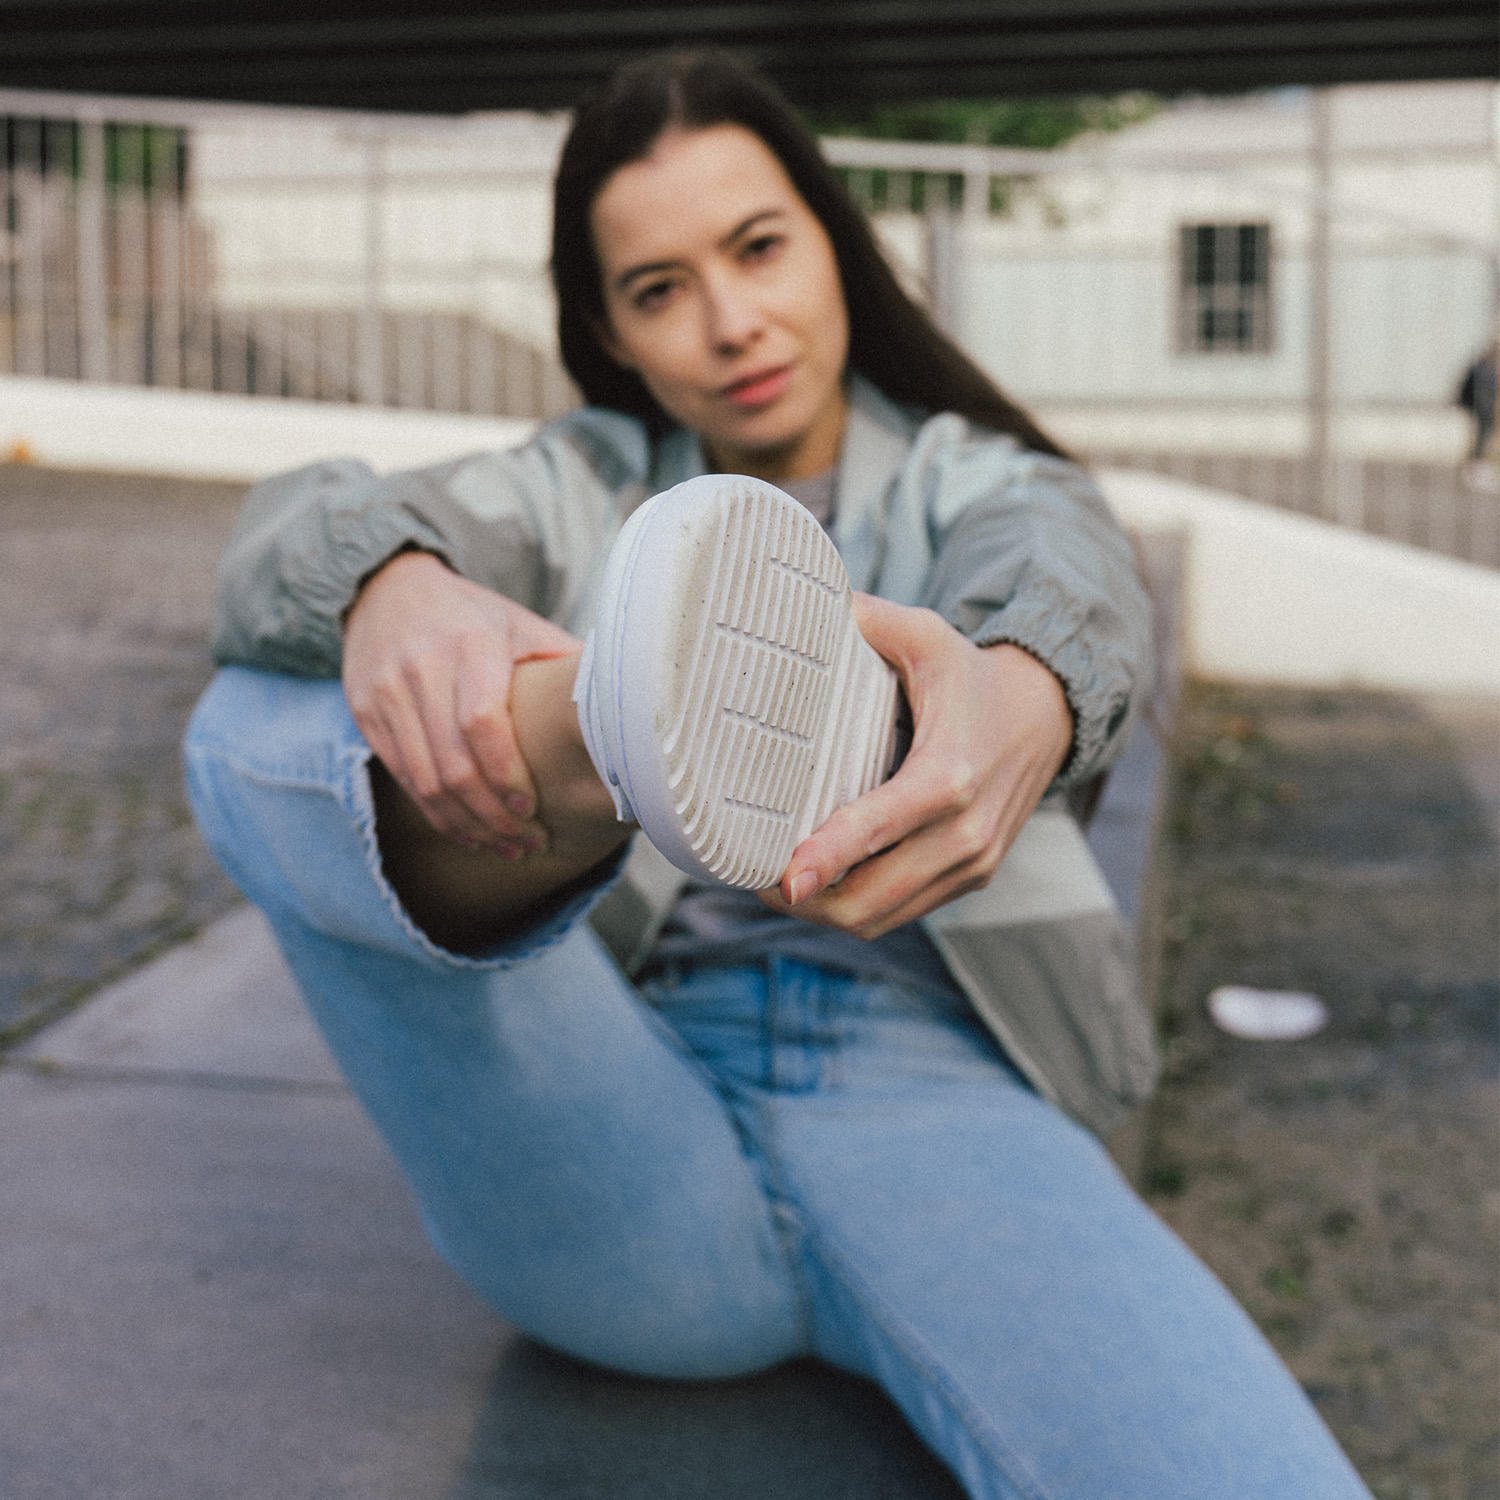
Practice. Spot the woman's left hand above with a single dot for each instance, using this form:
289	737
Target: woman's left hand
992	728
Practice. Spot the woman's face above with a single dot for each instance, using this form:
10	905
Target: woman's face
721	291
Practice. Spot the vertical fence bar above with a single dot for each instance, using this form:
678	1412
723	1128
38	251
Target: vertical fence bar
31	280
8	227
197	356
409	358
132	352
60	263
93	259
977	194
348	326
370	384
166	255
1321	459
446	371
944	272
481	365
1442	518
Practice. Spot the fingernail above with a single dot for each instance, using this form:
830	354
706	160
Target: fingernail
803	886
508	851
519	803
536	845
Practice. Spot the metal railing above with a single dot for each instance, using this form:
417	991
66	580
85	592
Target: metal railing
402	261
115	265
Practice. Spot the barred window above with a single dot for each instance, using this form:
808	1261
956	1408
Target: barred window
1224	289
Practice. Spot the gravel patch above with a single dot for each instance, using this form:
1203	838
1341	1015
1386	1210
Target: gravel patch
106	591
1345	1187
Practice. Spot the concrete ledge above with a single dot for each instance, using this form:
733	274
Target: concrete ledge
1274	597
123	429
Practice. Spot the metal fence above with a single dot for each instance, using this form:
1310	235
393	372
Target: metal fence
114	267
1444	508
402	261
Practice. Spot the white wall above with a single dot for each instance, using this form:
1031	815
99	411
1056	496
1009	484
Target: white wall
201	435
1275	597
465	219
1072	298
1102	327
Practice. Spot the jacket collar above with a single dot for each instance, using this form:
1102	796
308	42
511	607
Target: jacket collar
877	438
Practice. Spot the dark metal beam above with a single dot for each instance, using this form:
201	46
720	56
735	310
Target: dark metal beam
456	55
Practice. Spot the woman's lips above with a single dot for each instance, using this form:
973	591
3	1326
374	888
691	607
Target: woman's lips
759	389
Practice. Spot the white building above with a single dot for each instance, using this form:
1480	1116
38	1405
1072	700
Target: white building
1152	290
311	210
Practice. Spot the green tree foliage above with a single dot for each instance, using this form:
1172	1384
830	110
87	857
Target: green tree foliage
1041	123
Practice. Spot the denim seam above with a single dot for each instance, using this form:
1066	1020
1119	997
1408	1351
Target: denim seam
786	1213
758	1148
789	1223
881	1316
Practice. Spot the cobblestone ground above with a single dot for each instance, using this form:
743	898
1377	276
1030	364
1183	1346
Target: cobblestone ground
105	592
1347	1187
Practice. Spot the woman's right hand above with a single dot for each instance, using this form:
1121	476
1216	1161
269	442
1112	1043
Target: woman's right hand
427	666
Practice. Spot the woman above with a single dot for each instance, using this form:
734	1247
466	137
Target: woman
792	1133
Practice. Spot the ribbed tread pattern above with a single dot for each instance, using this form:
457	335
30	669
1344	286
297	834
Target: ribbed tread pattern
745	748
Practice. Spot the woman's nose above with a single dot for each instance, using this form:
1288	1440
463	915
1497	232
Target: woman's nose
735	317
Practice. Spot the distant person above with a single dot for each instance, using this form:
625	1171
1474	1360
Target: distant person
688	1129
1476	394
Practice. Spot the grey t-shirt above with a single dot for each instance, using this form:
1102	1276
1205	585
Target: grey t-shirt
714	925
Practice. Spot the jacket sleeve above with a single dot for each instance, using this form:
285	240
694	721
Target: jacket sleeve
1026	551
527	523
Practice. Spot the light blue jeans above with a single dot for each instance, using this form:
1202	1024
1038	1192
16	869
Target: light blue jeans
730	1167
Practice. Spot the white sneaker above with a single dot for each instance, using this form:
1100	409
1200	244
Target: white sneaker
725	694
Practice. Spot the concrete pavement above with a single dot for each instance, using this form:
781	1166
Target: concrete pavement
217	1287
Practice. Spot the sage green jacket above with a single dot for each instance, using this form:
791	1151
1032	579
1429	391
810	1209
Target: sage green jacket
1007	545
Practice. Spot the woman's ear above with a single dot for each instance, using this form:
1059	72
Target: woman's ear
609	343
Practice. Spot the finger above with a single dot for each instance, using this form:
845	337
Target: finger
928	787
483	712
919	905
400	746
915	877
949	858
394	721
457	796
421	779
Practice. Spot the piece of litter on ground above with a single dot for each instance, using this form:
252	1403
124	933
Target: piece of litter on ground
1266	1015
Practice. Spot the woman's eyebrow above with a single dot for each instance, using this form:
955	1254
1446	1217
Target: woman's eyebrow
655	267
746	225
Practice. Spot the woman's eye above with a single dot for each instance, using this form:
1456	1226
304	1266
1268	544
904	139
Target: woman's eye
652	295
762	247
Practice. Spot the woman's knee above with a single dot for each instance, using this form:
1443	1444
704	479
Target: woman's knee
277	778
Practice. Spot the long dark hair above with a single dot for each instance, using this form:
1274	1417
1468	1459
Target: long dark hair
892	341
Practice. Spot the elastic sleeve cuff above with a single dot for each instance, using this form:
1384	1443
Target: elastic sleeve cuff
328	590
1098	699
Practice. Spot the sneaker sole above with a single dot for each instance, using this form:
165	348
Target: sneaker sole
738	703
